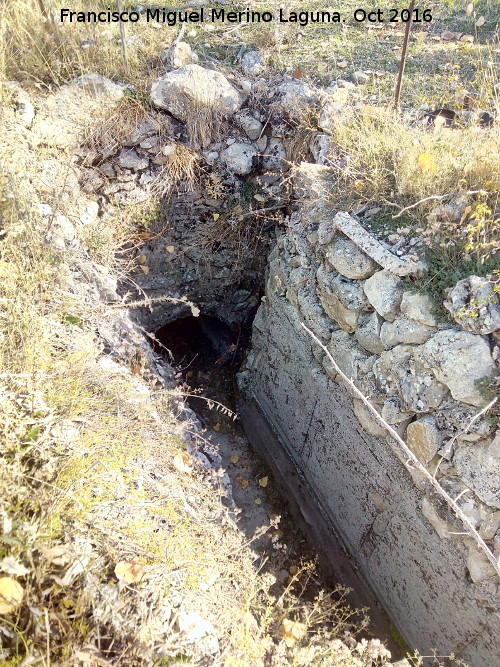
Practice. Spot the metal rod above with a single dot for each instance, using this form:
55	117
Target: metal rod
402	63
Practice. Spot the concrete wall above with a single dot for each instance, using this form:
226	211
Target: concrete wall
436	588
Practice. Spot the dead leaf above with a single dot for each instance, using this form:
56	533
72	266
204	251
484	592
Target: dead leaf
234	459
170	249
131	571
145	269
292	631
216	216
10	565
342	64
481	21
183	462
242	481
467	38
142	258
217	427
263	482
469	9
258	501
298	73
11	595
427	163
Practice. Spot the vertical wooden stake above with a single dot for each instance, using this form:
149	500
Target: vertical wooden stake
122	37
402	63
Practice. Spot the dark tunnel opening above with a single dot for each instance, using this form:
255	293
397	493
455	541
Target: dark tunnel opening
206	353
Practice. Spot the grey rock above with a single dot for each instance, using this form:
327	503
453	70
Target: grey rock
455	418
251	63
384	291
474	305
399	373
344	255
404	330
144	130
418	307
178	55
458	359
128	159
490	526
423	438
479	466
479	566
250	125
368	334
105	283
393	413
97	85
275	156
348	355
360	77
341	298
296	96
63	117
191	89
238	158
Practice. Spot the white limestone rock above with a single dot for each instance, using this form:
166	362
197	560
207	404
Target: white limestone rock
178	55
238	158
275	157
349	260
479	466
63	117
399	373
250	125
186	91
458	359
368	333
404	330
342	299
128	159
474	305
251	63
418	307
384	291
424	439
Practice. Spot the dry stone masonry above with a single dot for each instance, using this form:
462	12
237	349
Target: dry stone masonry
421	374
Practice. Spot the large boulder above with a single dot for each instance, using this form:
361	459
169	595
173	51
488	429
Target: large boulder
475	305
192	89
458	359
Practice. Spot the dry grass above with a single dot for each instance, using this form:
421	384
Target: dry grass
40	53
379	158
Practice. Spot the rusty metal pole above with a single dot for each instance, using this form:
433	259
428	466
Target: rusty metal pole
123	38
402	63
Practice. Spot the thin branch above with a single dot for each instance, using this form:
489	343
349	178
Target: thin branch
415	463
449	194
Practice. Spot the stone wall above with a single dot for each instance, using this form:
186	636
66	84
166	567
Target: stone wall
420	373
